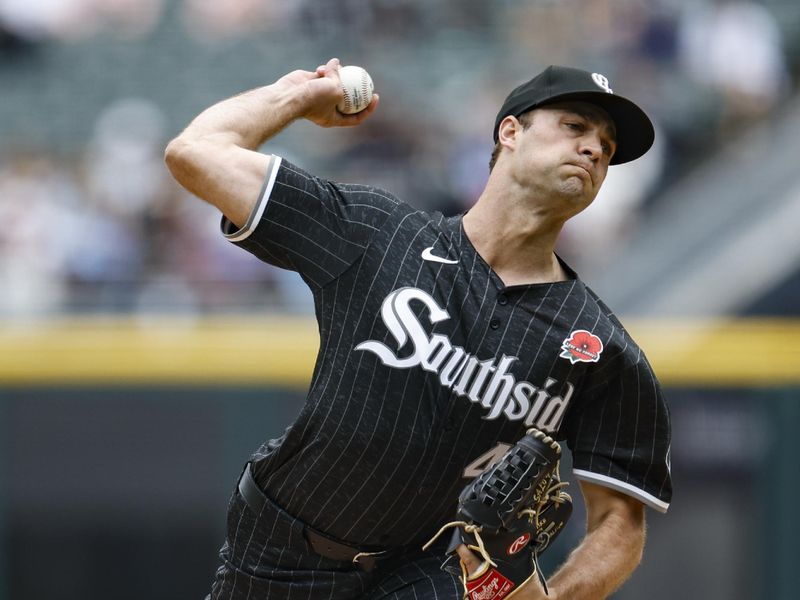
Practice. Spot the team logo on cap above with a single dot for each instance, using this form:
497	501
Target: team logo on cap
602	82
581	346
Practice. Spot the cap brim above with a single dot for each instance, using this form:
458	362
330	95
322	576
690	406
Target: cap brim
635	132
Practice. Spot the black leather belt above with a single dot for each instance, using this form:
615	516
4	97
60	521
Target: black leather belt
320	543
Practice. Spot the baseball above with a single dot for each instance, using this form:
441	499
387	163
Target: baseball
357	87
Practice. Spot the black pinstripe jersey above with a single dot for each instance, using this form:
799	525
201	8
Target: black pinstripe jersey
429	367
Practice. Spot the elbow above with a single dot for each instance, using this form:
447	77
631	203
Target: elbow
176	157
186	159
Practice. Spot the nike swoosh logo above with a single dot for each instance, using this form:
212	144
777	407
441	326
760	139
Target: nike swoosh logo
428	254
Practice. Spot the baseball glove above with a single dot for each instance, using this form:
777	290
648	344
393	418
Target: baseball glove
509	515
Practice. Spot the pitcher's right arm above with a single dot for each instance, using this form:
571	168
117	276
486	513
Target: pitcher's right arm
216	157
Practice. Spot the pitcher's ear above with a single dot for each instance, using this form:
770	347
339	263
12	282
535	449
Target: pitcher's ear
508	130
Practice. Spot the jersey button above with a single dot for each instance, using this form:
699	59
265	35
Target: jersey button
502	299
495	324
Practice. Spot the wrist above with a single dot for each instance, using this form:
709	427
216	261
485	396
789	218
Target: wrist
288	98
263	112
300	95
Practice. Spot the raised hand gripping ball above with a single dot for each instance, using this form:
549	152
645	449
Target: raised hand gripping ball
357	88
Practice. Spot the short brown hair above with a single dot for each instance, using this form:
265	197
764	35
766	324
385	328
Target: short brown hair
525	119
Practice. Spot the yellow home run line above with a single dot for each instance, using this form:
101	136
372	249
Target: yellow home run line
282	350
742	352
161	350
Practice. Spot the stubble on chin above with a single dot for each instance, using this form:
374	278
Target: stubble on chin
575	188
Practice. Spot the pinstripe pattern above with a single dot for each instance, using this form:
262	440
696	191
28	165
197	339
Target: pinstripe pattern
424	367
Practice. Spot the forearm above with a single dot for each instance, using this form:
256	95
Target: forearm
603	561
250	118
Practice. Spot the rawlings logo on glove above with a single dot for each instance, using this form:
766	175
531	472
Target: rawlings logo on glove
509	515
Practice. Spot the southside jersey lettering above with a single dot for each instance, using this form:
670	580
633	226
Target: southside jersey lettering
426	367
483	382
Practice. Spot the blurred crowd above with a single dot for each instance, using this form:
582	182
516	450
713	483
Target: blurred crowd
103	227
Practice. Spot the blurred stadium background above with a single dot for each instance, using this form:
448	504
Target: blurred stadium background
142	358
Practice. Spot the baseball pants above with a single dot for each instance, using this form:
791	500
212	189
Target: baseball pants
267	556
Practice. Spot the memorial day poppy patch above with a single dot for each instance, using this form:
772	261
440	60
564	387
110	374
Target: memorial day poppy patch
581	346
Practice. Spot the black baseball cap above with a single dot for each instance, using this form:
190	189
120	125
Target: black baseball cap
635	133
